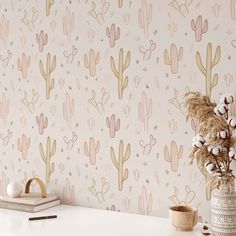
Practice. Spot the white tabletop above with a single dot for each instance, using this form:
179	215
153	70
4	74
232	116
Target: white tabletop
81	221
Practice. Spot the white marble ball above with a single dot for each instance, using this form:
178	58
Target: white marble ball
14	189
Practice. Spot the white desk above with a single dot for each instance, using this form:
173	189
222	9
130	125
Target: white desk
78	221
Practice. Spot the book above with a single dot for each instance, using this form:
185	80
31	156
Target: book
28	208
33	199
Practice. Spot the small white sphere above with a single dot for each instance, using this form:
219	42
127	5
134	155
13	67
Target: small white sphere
14	189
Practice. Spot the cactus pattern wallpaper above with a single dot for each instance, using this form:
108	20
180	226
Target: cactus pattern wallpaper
91	97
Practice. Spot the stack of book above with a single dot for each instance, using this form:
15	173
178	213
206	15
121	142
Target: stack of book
32	202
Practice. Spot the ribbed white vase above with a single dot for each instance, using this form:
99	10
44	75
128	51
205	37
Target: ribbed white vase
223	211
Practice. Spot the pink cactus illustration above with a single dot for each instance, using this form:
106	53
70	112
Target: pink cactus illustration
113	34
91	150
30	21
68	109
4	109
173	155
173	58
199	28
68	23
23	144
145	111
23	64
113	125
147	52
42	123
91	61
4	29
145	16
41	39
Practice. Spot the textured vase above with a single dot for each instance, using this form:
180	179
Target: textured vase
223	211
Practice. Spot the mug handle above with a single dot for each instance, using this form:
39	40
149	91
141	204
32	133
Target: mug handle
195	221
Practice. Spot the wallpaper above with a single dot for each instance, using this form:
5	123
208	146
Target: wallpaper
91	97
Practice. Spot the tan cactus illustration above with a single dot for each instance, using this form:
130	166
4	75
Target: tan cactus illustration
173	155
145	16
4	29
42	122
99	194
173	58
42	40
199	28
233	9
23	64
91	150
99	104
91	61
23	144
123	64
182	8
68	23
120	3
4	109
189	197
49	3
145	202
49	68
46	155
113	34
113	125
68	109
210	81
99	15
30	104
6	137
68	192
119	163
6	58
145	111
4	181
30	22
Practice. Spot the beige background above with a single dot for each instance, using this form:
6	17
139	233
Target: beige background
84	93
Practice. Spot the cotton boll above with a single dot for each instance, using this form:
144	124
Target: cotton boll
227	98
232	122
222	134
209	166
222	108
198	141
232	153
215	150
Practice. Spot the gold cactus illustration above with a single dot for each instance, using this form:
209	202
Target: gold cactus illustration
120	3
210	81
91	61
145	16
173	58
119	71
145	202
173	155
119	163
49	3
23	64
46	155
49	68
68	23
23	144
